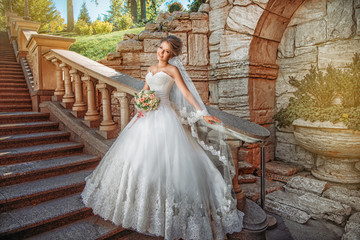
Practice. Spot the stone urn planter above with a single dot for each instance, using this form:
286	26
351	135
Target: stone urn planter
337	149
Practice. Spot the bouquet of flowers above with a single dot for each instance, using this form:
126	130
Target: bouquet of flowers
146	100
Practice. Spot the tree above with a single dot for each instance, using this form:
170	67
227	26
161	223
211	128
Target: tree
194	5
153	8
117	9
133	7
176	6
143	10
42	11
70	15
84	14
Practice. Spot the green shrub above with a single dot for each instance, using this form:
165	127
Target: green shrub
176	6
333	96
124	22
102	27
195	5
82	28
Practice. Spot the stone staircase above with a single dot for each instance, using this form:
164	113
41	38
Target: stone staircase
42	171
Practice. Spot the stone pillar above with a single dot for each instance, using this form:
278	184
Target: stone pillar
68	98
240	196
92	117
124	108
59	90
107	125
79	107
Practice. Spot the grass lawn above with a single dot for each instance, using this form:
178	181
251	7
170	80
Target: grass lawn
98	46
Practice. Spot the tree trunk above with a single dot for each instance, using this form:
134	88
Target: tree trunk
70	15
27	17
134	10
10	6
143	10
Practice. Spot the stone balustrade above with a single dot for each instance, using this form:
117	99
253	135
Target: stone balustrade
100	96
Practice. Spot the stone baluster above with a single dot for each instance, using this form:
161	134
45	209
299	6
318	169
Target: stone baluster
79	107
107	125
240	196
124	108
60	90
68	98
92	117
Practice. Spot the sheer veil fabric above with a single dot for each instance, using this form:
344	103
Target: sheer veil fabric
160	179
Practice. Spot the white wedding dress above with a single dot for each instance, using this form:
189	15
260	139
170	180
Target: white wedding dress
156	179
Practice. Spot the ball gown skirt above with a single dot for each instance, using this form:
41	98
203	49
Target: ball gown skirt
157	180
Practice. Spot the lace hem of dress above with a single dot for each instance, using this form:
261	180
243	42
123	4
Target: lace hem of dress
165	217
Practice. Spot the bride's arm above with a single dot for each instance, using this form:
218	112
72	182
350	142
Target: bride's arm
188	96
146	86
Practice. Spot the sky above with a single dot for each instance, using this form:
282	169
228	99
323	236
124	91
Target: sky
94	11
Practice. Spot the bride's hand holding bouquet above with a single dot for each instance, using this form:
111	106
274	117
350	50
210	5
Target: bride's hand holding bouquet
146	100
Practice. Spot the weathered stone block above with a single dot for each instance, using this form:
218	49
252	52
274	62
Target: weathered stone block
286	211
130	58
215	37
203	89
339	23
183	38
129	45
263	116
285	137
214	58
152	26
357	19
264	88
205	7
217	18
148	59
310	33
338	53
152	35
180	25
344	195
244	19
218	4
234	47
287	44
199	16
309	10
352	228
162	16
128	36
281	168
151	45
113	55
198	50
233	87
307	184
213	92
200	26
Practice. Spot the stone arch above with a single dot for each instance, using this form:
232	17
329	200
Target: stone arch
263	70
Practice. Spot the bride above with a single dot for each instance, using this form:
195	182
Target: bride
157	177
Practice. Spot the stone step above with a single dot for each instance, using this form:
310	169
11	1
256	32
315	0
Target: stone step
27	127
31	139
13	90
32	193
31	171
22	81
32	220
11	76
87	229
6	63
12	72
247	178
12	95
17	101
10	68
253	190
15	108
13	85
15	117
282	171
245	168
26	154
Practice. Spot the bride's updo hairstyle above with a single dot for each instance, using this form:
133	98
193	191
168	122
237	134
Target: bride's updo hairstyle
175	44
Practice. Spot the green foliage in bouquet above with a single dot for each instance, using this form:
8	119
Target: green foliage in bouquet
333	96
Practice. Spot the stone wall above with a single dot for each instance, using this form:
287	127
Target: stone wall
320	32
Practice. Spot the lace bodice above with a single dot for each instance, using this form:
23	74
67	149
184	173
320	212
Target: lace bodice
161	83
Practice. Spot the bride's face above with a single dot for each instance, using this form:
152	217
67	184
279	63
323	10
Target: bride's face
164	52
